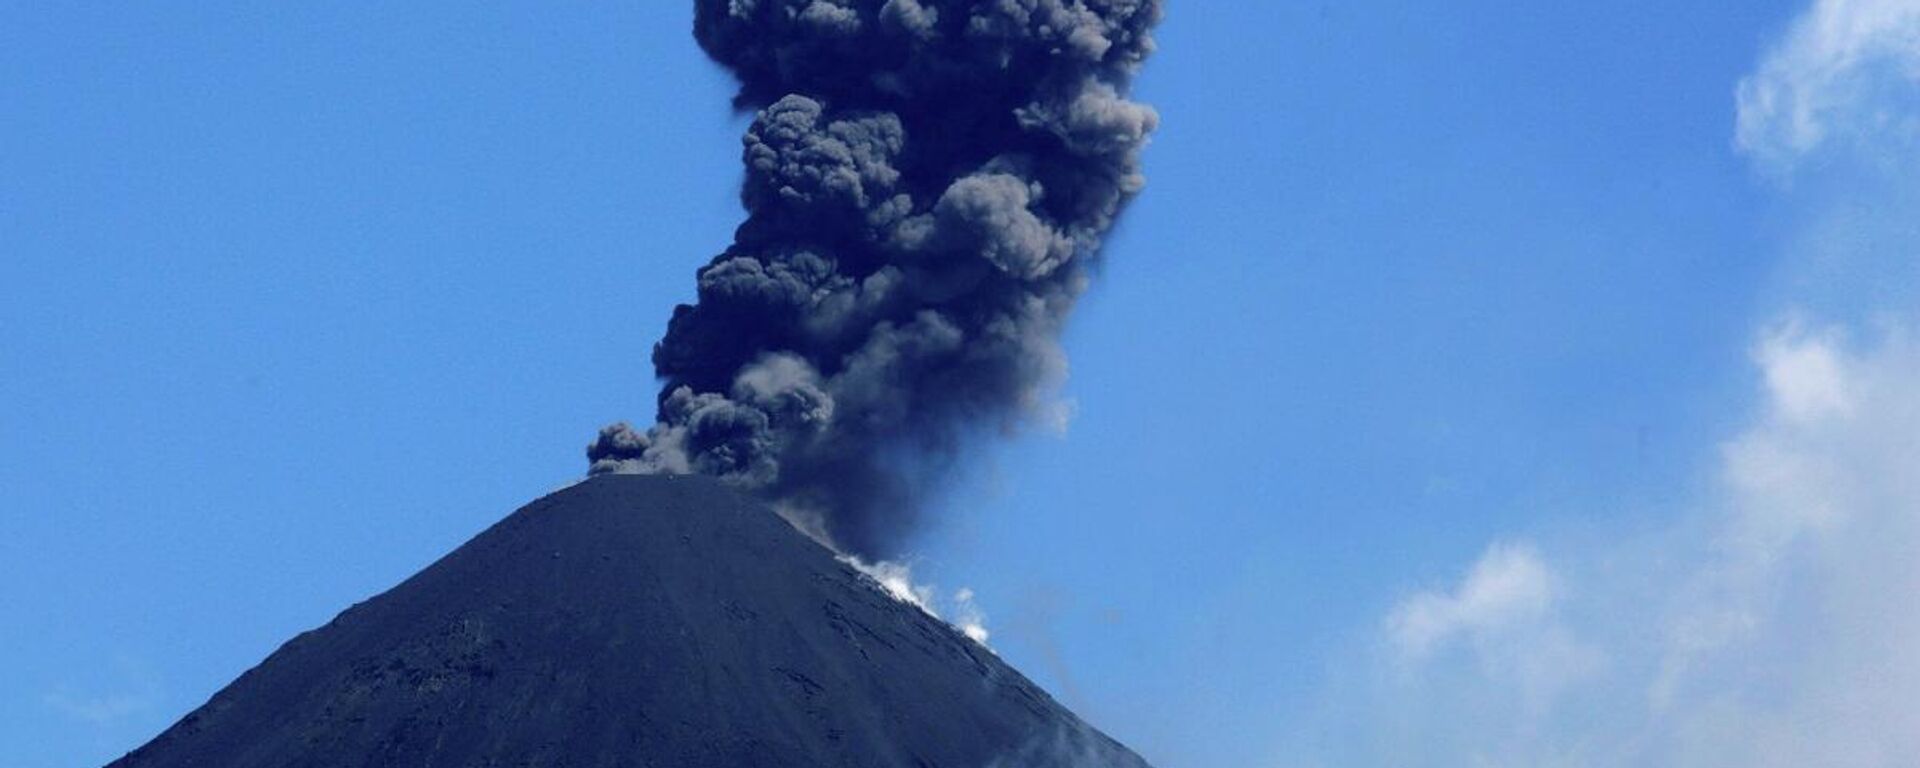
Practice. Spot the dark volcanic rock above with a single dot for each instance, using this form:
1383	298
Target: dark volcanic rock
633	621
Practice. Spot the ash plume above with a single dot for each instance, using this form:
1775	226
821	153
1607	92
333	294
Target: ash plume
927	185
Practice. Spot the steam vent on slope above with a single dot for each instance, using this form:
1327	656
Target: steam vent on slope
634	621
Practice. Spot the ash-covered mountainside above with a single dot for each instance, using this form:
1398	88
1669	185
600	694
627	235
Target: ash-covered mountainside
633	621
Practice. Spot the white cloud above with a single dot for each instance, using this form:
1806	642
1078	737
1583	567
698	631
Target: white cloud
1799	644
1778	626
1804	379
1499	625
1509	586
1778	622
1843	75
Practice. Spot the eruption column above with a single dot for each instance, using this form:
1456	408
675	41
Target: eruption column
927	184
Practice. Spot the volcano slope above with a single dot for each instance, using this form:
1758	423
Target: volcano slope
633	621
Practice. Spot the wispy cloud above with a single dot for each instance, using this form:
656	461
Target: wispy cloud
98	709
1778	622
1509	588
1845	74
1502	622
1779	626
1799	644
134	689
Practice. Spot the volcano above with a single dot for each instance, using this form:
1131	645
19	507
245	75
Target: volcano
634	621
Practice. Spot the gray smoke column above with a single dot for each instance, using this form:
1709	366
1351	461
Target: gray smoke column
927	185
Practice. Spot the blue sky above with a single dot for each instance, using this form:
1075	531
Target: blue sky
1465	371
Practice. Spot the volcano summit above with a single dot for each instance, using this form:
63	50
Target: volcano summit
634	621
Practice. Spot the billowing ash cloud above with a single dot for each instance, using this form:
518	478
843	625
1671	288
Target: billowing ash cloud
927	182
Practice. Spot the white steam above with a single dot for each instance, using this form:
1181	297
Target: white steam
896	580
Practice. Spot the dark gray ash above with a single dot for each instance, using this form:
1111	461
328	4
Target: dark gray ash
928	183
